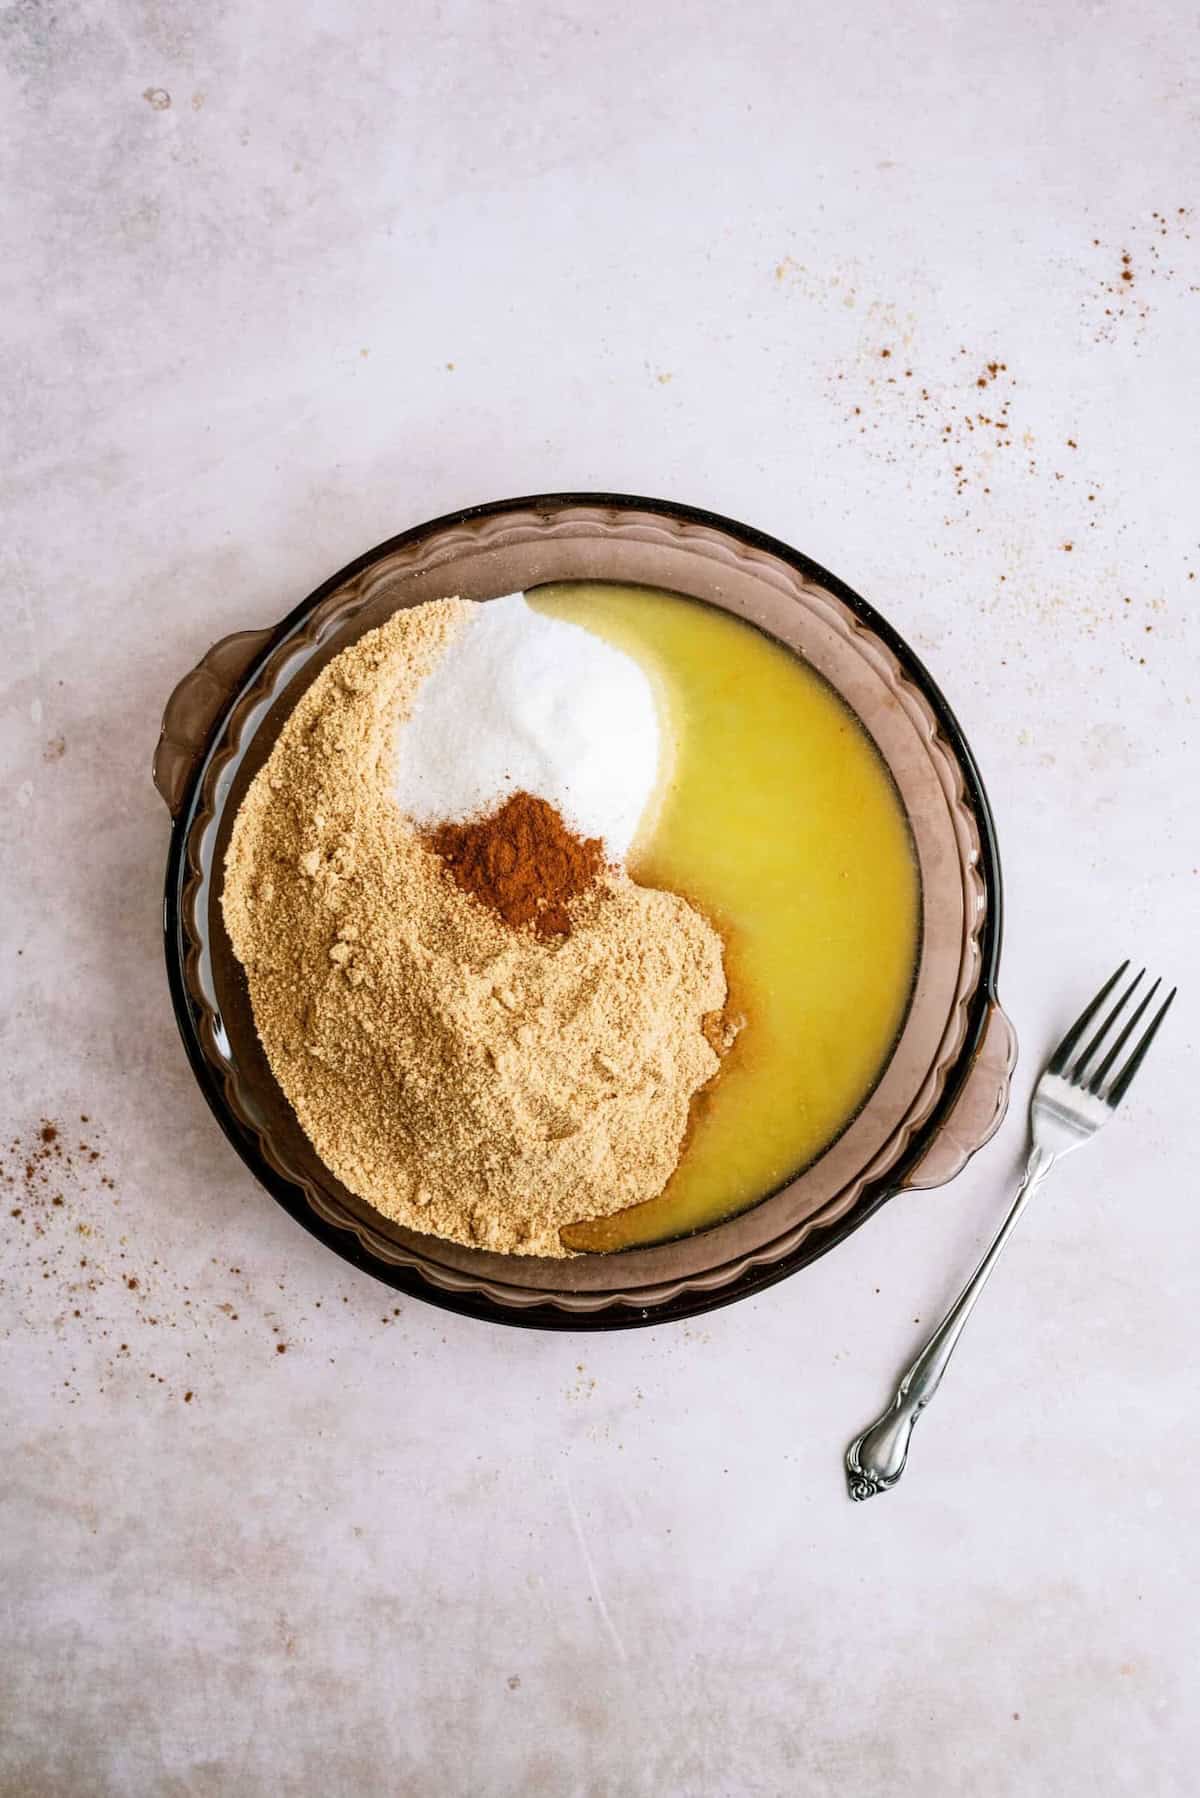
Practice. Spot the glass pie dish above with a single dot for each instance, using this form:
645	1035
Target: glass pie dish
942	1092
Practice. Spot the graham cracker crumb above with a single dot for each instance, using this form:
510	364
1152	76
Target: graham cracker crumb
463	1076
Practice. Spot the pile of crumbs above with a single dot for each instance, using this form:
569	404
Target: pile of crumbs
462	1076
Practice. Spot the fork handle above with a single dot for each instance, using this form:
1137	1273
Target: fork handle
876	1459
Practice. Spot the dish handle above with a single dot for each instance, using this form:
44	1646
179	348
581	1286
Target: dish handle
979	1110
194	707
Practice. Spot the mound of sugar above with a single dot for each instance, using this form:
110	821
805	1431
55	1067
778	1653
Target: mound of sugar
524	703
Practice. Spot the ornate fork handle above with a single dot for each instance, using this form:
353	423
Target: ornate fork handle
876	1459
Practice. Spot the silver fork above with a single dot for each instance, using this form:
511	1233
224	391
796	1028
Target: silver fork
1068	1108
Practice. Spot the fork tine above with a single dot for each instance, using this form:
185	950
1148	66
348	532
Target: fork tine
1120	1085
1058	1060
1076	1073
1098	1078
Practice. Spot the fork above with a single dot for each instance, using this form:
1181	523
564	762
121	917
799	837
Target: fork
1067	1109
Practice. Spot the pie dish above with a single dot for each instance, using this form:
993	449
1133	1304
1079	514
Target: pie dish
944	1089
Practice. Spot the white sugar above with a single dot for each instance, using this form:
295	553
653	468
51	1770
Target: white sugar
525	703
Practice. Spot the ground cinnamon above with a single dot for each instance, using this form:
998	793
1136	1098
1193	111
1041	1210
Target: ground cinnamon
523	862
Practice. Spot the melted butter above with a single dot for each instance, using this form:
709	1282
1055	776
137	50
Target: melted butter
778	819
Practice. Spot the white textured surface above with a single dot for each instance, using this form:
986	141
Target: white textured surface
526	703
371	263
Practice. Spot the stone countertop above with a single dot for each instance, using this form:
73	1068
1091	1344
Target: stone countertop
917	294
